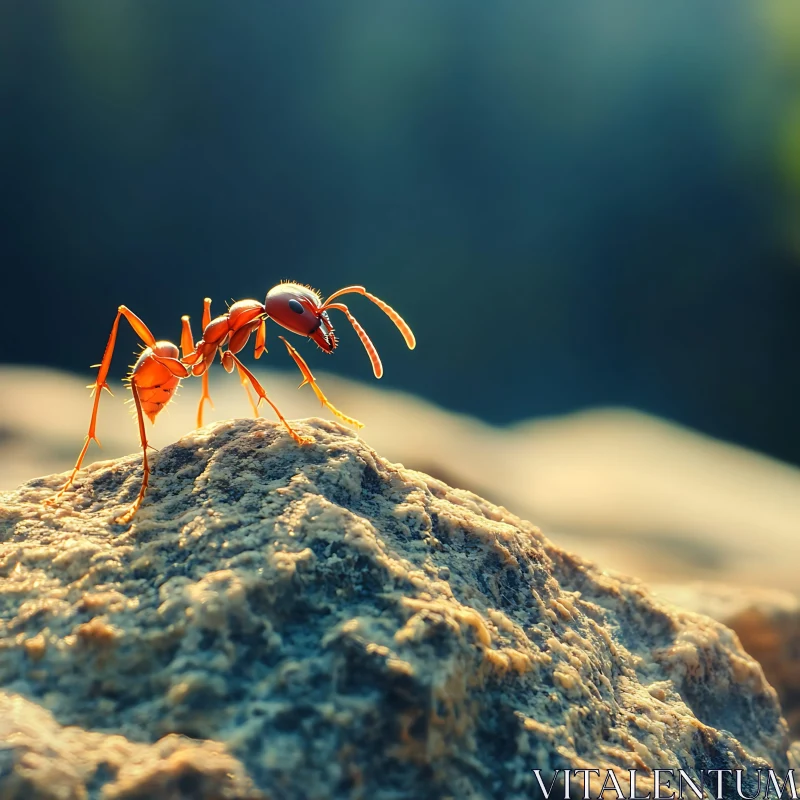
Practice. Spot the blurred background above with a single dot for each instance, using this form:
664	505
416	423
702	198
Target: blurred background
577	209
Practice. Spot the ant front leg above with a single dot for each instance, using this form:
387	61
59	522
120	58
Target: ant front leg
229	361
308	378
100	383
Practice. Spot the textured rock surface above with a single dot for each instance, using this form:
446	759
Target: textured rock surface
768	624
40	760
627	490
323	624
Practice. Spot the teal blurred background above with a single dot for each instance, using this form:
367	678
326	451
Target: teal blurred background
572	205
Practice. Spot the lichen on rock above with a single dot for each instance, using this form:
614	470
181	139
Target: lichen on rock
314	622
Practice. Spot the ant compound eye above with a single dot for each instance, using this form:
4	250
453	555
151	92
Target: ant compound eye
296	307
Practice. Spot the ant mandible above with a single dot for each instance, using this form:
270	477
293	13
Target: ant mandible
157	373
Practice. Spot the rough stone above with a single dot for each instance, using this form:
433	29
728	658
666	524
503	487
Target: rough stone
624	489
767	622
315	622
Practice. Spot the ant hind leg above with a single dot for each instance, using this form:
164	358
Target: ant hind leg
100	383
125	518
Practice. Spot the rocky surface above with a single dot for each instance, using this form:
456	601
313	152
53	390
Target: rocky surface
766	621
627	490
286	622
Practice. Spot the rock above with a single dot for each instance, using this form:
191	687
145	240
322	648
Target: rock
766	621
319	623
630	491
41	760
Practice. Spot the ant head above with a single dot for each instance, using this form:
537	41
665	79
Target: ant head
299	309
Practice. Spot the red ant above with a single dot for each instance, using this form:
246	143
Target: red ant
157	373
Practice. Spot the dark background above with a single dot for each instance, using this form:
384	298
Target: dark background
572	206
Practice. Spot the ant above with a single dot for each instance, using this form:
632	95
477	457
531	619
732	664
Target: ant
156	375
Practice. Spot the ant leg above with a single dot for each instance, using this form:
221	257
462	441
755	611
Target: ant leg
261	339
100	383
204	397
308	378
188	348
187	340
229	361
246	386
128	515
261	348
237	343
